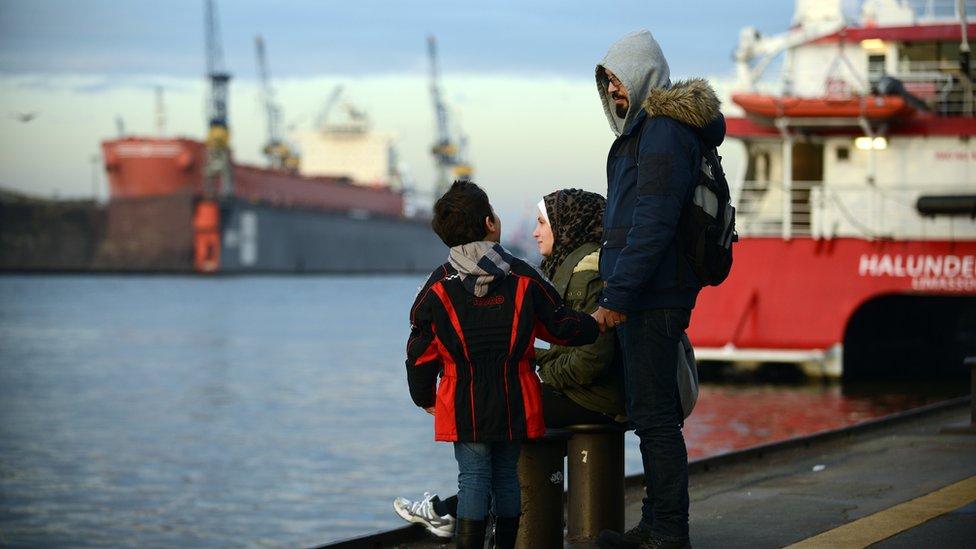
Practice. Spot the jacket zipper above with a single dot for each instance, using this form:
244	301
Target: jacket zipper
474	421
508	404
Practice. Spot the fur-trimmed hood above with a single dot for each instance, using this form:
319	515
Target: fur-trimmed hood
692	102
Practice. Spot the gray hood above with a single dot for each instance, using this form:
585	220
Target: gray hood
636	59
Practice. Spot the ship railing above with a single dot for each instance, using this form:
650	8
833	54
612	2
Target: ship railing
858	210
939	10
939	84
761	208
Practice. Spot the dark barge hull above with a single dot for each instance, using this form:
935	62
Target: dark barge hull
268	239
157	234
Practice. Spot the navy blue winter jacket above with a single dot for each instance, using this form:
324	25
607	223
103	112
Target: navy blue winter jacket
641	263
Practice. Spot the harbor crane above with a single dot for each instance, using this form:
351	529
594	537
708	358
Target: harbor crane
323	118
279	154
218	135
449	150
356	120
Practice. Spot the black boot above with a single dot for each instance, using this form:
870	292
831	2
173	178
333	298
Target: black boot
469	534
631	539
506	529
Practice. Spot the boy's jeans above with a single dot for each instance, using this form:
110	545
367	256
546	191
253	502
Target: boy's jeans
488	468
649	342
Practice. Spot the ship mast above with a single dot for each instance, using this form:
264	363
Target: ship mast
448	152
218	135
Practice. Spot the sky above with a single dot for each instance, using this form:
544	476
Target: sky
518	77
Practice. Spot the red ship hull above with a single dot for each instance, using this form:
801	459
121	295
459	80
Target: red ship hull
161	218
139	167
800	294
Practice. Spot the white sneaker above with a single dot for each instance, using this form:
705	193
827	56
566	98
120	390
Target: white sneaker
423	512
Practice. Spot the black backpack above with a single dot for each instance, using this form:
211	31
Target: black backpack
706	229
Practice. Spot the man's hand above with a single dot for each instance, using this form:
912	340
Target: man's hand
608	319
429	410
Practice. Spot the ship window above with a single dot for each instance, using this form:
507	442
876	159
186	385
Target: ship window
758	168
929	56
915	52
876	68
843	154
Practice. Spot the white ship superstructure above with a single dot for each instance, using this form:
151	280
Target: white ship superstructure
858	130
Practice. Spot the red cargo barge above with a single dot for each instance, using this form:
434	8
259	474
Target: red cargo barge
266	220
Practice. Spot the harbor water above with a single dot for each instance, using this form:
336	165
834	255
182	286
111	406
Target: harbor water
160	411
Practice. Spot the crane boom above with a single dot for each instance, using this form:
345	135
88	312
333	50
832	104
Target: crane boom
218	135
219	78
271	109
323	118
448	152
440	111
279	154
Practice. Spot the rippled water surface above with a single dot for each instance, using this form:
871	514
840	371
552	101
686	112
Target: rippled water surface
257	411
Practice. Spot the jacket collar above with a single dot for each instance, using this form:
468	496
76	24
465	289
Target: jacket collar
634	123
565	270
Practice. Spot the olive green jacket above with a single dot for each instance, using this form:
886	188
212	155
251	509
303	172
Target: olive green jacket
588	375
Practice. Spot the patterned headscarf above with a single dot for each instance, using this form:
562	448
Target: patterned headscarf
576	218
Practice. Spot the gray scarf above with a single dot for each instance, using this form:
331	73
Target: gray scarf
480	264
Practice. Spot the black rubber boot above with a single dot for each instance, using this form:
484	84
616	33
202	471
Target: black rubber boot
506	530
631	539
469	534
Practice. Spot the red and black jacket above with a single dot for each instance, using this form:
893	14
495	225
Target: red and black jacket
482	347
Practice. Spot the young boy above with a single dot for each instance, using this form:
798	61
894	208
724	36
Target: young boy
474	323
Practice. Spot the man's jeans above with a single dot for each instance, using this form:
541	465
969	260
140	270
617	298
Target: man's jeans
488	468
649	342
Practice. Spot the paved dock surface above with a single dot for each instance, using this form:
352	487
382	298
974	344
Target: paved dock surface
792	496
904	485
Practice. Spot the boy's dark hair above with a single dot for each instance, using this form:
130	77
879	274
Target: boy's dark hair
459	215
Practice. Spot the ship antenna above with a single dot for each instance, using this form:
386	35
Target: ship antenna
160	113
964	44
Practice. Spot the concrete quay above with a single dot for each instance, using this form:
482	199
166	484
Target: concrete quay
898	481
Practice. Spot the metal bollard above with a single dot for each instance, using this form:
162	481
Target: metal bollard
541	473
971	362
971	428
595	456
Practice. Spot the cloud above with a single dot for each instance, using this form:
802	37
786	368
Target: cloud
527	135
93	84
307	37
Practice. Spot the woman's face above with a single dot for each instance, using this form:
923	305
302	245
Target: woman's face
543	235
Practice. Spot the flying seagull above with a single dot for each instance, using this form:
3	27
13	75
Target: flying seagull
24	116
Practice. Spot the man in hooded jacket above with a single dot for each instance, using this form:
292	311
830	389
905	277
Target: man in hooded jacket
649	290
